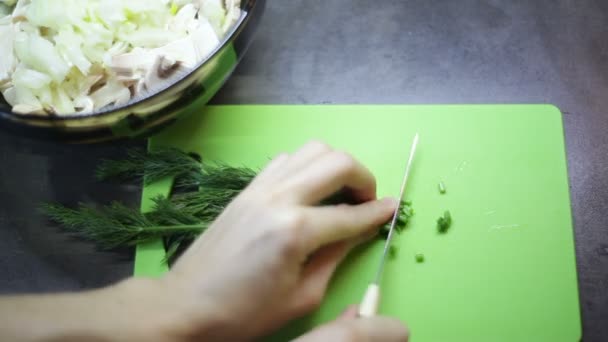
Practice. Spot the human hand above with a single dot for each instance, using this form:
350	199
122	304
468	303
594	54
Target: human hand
270	255
350	328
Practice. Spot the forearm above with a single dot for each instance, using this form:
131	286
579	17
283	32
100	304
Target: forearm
128	311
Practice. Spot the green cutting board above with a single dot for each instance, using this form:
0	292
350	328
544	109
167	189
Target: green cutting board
506	269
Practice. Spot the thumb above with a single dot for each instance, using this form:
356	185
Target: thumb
381	329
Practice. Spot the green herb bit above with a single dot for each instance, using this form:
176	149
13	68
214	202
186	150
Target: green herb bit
441	188
444	222
393	251
419	258
403	218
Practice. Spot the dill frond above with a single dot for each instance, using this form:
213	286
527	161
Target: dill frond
201	192
116	225
151	166
219	176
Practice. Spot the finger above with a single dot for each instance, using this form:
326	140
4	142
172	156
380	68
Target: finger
329	174
303	157
296	161
316	276
272	167
319	270
351	312
360	329
288	164
329	224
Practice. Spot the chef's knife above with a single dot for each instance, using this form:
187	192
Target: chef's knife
369	305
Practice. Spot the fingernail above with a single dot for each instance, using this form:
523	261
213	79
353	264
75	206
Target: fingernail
390	202
349	312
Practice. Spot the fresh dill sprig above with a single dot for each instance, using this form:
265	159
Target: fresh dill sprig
206	190
206	204
116	225
219	176
186	168
165	212
180	218
151	166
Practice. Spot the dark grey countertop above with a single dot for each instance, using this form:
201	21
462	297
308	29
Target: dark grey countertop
353	51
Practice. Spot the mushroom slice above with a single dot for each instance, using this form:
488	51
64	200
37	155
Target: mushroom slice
84	104
28	109
130	62
182	50
204	39
161	74
113	92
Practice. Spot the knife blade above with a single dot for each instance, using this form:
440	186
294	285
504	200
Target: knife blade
371	299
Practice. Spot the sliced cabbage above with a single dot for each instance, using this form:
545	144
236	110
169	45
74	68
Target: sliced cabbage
4	10
184	20
233	13
203	39
31	79
7	58
54	14
6	7
41	55
76	56
215	13
17	95
69	45
62	104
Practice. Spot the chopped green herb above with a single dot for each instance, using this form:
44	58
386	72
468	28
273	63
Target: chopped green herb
444	222
403	218
441	188
419	257
393	251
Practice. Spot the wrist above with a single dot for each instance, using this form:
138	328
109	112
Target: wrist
132	310
160	311
190	315
140	308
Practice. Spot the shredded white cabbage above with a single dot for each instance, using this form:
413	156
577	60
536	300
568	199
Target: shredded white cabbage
4	10
75	56
8	3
